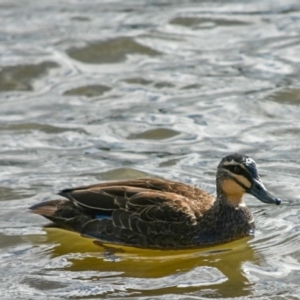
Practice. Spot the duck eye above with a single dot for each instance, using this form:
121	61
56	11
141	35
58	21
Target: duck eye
237	170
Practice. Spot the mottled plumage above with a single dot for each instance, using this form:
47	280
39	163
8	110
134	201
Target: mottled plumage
162	214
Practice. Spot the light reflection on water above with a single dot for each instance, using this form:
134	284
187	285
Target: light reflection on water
101	90
145	270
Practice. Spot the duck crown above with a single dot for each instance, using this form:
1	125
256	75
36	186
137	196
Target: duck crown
237	162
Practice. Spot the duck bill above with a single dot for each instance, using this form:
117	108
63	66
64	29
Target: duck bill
259	191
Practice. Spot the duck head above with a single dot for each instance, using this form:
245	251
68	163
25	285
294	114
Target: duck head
236	175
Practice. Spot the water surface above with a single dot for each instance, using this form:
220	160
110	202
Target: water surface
104	90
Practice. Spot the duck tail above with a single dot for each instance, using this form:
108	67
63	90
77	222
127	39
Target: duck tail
47	209
62	213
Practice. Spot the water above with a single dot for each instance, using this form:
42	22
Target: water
103	90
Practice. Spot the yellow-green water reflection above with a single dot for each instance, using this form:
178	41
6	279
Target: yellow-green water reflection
154	270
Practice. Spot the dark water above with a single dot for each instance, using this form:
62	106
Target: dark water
102	90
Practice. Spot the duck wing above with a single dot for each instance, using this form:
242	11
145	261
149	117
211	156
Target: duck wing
106	197
147	213
152	213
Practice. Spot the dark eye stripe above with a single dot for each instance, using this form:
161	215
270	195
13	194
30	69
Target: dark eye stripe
240	171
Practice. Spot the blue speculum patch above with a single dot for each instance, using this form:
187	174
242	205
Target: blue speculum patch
101	217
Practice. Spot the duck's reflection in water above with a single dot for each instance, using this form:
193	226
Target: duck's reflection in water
152	272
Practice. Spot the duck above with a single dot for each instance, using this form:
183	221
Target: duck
155	213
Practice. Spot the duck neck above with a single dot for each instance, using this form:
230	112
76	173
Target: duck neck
235	201
228	195
225	223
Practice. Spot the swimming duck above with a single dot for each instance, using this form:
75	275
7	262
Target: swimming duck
162	214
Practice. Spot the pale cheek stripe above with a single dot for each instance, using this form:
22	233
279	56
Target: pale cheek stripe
243	182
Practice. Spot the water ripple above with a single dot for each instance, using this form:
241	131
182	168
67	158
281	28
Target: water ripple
101	90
